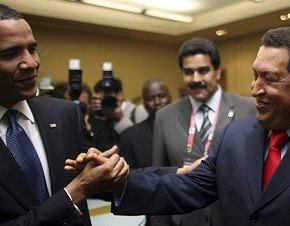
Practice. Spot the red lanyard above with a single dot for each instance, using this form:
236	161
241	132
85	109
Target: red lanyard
192	130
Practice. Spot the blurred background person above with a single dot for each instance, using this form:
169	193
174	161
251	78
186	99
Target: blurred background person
135	143
183	90
184	130
110	119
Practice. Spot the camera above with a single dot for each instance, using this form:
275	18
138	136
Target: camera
75	84
109	103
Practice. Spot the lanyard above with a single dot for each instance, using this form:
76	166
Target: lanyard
192	131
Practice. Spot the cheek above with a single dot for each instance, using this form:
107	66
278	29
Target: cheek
186	79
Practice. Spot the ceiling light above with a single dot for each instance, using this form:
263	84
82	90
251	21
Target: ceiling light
114	5
256	1
221	32
285	17
168	16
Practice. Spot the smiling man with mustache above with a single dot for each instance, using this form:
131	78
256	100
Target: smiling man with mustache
199	61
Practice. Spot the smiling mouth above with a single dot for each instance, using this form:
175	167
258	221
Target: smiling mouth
27	82
260	105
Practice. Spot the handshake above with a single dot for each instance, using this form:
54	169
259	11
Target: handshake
99	172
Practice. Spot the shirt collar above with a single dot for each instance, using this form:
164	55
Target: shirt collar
213	102
21	106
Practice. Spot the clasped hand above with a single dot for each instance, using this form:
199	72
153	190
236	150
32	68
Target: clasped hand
97	172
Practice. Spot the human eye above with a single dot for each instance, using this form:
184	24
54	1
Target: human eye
255	76
32	48
203	70
188	71
9	53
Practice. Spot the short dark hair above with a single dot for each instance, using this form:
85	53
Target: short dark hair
7	13
278	38
199	46
116	86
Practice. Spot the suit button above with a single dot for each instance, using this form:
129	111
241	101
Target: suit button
253	218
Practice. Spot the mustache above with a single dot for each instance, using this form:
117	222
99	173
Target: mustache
197	85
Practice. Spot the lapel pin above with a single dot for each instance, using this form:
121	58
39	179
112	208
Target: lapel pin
231	113
52	125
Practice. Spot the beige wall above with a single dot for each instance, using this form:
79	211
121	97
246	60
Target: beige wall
237	56
135	61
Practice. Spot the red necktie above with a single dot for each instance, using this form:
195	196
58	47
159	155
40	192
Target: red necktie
277	140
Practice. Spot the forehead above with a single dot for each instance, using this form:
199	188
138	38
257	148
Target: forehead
270	58
154	88
15	32
197	59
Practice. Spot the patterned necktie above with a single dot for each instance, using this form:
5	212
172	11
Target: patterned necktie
25	154
277	140
206	125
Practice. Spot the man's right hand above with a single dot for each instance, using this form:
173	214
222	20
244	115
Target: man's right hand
187	169
99	174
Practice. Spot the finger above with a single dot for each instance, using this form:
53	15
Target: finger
110	152
70	162
120	171
123	174
81	158
71	169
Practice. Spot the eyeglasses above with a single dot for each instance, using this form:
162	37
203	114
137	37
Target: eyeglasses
200	71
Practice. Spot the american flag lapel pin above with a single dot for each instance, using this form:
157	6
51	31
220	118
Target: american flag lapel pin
52	125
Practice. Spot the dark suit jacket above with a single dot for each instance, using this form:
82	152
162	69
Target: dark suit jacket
170	140
136	144
232	173
66	140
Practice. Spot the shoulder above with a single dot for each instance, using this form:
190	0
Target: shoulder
136	129
237	98
244	123
51	104
176	106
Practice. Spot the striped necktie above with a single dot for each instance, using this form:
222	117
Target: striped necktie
206	125
26	156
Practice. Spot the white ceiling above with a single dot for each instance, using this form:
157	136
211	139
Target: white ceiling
237	16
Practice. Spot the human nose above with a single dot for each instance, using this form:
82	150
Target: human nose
29	61
257	87
157	100
195	77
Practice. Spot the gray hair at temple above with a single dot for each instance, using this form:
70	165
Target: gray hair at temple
7	13
278	38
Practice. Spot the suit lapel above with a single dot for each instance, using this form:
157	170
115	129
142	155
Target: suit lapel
184	119
254	158
278	183
185	113
225	115
49	125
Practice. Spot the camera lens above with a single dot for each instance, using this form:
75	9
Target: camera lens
109	104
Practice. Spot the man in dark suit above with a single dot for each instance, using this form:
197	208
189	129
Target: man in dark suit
235	171
54	130
135	143
199	62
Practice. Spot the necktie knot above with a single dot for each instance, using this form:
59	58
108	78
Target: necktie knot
278	139
204	109
11	116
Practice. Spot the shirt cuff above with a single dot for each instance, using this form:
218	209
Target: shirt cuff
76	207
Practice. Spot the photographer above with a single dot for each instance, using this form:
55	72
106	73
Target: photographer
110	113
